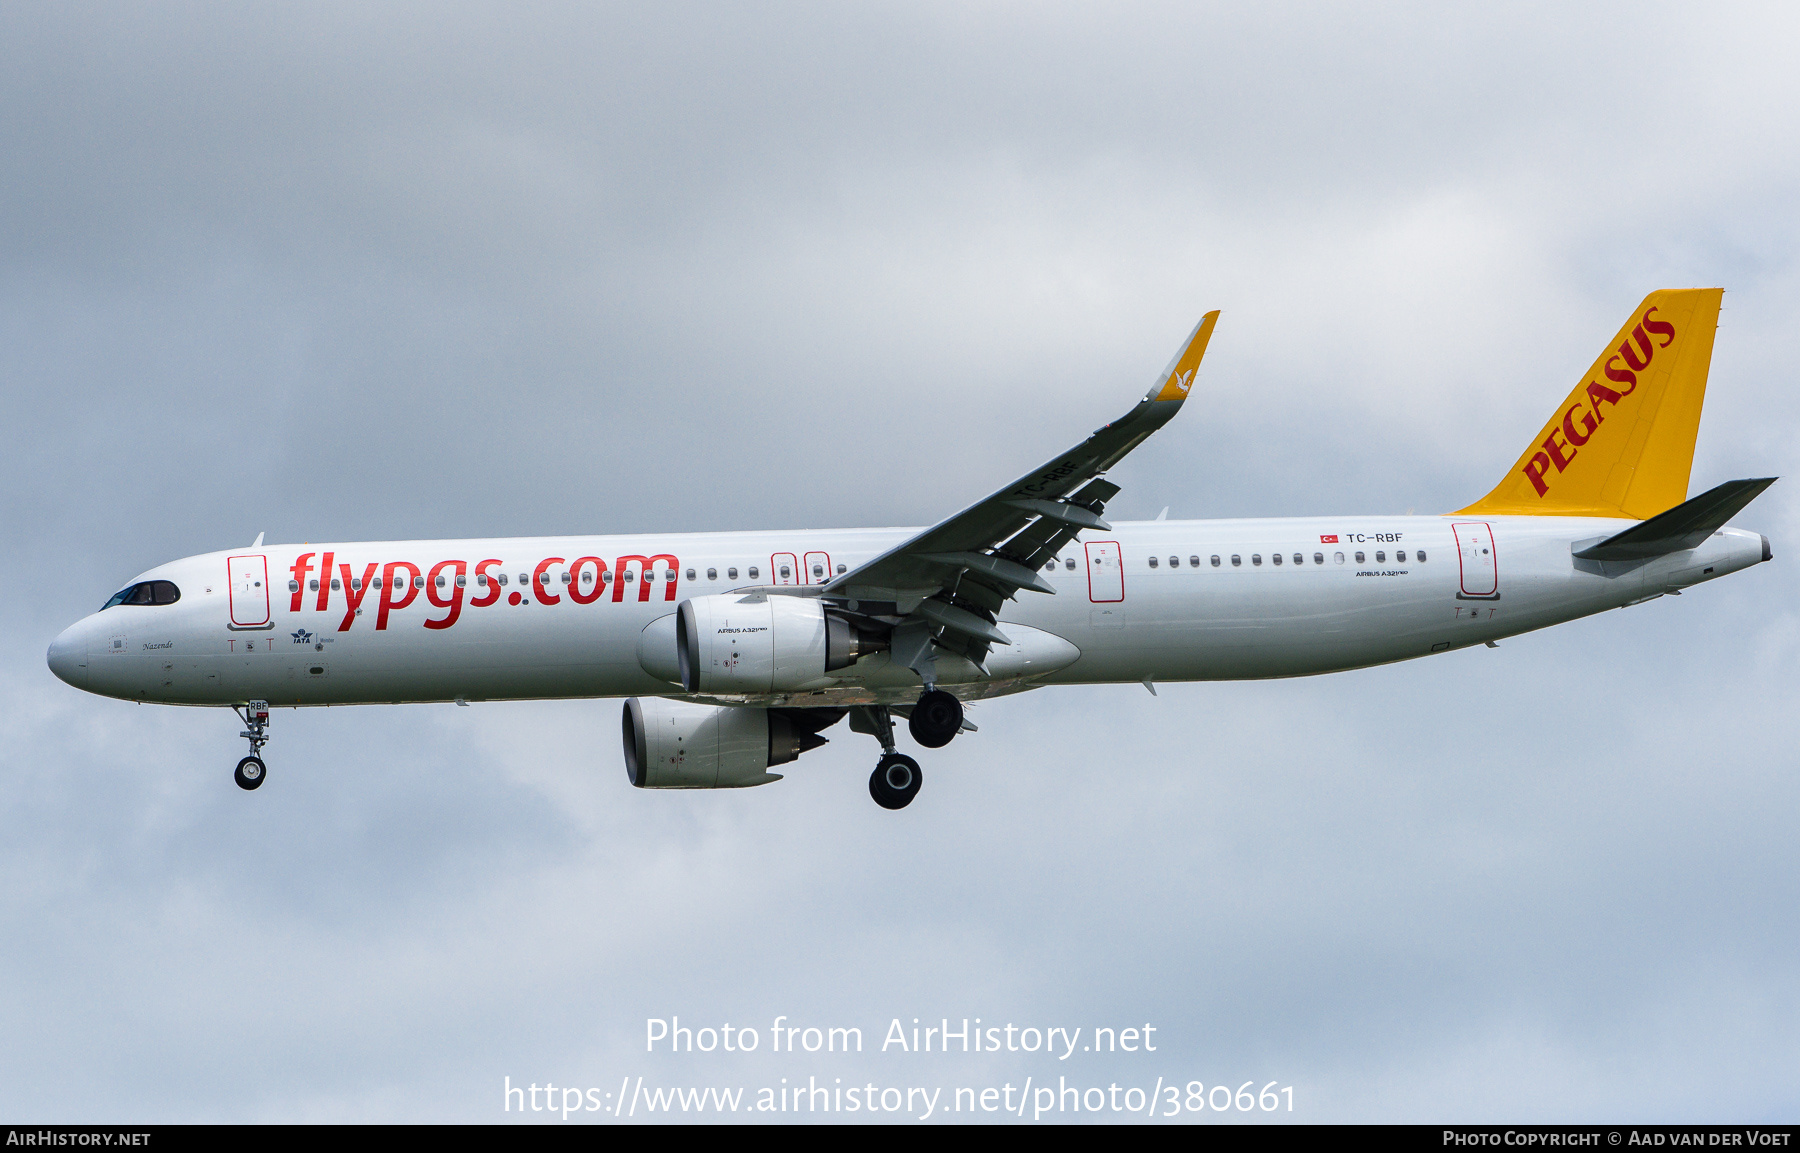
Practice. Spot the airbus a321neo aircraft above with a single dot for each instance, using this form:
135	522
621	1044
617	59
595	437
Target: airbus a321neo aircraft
735	650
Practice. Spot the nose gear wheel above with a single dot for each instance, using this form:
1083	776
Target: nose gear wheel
250	773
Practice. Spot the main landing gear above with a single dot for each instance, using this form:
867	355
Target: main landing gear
251	770
935	720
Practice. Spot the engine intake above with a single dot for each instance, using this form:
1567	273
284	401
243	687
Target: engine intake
757	643
676	745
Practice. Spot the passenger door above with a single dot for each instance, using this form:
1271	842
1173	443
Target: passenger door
1106	573
248	578
1475	555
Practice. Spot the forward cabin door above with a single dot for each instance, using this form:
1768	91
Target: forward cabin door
249	582
1475	553
1106	574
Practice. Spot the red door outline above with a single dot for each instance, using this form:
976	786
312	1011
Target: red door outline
248	609
1480	578
775	562
1111	581
823	559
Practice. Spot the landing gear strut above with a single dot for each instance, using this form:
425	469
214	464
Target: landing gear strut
251	770
896	779
936	719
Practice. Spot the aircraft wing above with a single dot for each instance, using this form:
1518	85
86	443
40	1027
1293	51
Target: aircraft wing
947	583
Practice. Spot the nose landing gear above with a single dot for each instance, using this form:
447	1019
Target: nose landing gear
251	771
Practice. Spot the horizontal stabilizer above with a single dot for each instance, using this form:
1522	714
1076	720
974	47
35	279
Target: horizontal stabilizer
1682	527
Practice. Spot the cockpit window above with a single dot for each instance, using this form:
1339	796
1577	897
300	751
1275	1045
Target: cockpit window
145	593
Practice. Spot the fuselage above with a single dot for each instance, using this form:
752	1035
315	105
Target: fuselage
591	616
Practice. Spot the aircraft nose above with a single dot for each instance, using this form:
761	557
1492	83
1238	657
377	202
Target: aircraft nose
67	657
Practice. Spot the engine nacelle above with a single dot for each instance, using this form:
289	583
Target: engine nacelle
676	745
757	643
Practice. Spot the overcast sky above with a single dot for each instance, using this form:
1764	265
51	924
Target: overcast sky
342	272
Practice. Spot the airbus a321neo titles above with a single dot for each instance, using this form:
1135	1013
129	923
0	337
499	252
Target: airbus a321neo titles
736	650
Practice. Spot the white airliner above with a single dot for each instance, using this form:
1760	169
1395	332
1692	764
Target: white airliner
737	649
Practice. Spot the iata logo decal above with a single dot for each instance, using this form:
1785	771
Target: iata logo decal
301	636
1633	357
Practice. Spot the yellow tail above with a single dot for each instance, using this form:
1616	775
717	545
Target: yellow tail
1622	444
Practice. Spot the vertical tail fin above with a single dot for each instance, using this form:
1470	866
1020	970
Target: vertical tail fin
1622	443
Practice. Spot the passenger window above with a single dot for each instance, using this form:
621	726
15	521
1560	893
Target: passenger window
1215	560
1359	558
732	573
1049	564
419	582
1318	558
312	586
1400	556
818	572
1338	556
753	573
630	576
503	578
1236	560
587	577
1298	559
1152	562
1276	558
1420	556
712	574
1069	564
841	570
605	577
690	574
1256	558
523	579
784	570
336	585
1174	562
564	578
293	586
1380	557
1193	562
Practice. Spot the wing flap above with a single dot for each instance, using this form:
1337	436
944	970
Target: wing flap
965	568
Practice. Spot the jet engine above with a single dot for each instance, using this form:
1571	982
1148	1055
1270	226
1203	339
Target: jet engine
676	745
757	643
